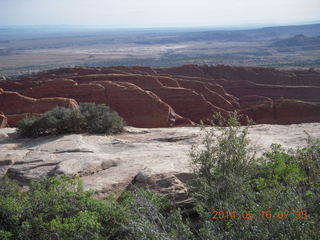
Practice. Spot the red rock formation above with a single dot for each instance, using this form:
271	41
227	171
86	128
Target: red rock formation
135	70
212	97
262	113
14	119
143	81
243	88
174	96
213	85
254	74
19	84
3	120
146	70
168	81
15	103
69	89
253	100
138	107
295	111
12	103
284	111
186	70
188	103
263	75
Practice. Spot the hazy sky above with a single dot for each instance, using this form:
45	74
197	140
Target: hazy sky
149	13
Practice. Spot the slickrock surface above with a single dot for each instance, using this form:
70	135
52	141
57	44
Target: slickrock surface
156	158
177	96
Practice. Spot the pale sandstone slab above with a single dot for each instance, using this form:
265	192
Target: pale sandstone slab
158	159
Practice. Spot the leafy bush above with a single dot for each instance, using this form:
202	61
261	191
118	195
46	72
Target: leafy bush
90	117
227	178
100	119
59	208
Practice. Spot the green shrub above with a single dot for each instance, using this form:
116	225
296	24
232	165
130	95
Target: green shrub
26	127
90	117
59	208
227	177
100	119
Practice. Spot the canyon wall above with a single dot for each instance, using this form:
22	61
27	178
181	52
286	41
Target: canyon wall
177	96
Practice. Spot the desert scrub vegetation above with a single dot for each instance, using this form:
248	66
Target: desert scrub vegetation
235	194
59	208
238	196
90	117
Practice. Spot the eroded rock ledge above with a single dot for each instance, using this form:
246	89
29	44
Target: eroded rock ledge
157	159
166	97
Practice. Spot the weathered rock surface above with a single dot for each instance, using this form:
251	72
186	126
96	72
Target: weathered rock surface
284	111
147	97
243	88
143	81
213	97
138	107
13	103
294	111
157	159
68	88
253	100
14	119
188	104
253	74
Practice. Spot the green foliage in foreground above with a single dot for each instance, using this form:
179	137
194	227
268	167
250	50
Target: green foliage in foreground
89	118
226	178
59	208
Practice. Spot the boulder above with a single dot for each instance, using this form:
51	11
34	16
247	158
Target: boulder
8	158
174	186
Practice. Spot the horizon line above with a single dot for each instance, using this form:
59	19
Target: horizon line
137	27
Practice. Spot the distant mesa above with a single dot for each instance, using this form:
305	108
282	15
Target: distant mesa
299	40
177	96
